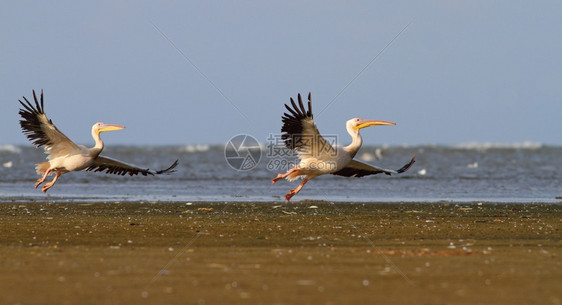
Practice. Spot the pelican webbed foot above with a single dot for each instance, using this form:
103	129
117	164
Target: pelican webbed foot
283	176
39	181
50	184
279	177
42	179
46	187
291	194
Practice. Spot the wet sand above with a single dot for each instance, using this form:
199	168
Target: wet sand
279	253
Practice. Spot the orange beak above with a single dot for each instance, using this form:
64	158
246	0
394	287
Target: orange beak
368	123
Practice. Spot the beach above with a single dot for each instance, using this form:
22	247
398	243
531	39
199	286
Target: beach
309	252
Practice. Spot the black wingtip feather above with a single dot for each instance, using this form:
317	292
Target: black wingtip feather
290	110
169	169
407	166
110	169
292	128
309	104
301	105
295	108
36	100
31	123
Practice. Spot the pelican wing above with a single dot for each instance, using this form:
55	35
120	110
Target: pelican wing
300	133
41	131
359	169
112	166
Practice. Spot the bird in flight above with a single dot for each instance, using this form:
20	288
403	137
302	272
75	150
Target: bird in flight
64	155
317	156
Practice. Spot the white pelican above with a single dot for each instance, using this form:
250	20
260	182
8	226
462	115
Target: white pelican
64	155
317	156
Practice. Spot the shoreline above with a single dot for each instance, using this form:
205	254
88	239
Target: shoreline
26	199
280	253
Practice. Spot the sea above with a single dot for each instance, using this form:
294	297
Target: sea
472	172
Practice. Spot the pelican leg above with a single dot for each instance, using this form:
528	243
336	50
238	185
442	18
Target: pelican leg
283	176
42	179
50	184
293	192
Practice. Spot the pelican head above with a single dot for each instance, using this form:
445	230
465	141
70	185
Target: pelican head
358	123
101	127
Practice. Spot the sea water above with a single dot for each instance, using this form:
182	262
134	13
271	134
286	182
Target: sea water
523	173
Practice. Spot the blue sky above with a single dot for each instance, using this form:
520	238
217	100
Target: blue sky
462	71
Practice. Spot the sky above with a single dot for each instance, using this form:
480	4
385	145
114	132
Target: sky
201	72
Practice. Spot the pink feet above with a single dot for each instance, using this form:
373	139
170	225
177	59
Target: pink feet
38	182
46	187
294	191
290	195
279	176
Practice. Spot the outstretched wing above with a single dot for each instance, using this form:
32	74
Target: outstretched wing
359	169
112	166
300	132
41	131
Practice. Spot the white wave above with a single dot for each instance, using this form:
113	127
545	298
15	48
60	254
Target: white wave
367	157
378	153
489	145
10	148
196	147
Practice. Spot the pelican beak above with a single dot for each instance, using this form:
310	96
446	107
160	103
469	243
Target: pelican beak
110	127
368	123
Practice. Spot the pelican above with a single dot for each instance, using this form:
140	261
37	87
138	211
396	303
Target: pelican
317	156
64	155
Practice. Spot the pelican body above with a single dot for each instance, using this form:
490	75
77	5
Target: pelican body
316	156
64	155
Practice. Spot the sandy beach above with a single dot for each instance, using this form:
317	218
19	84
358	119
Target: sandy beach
279	253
